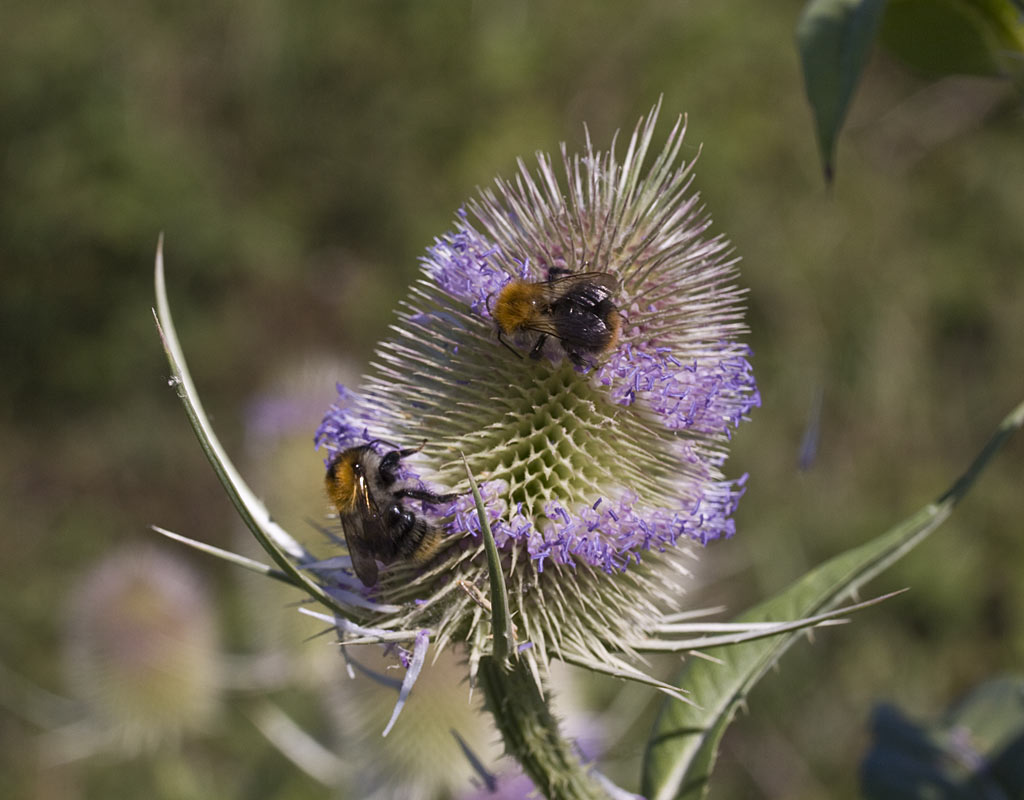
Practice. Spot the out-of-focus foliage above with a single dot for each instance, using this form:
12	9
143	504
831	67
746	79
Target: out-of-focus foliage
299	160
684	745
835	39
935	37
957	37
976	749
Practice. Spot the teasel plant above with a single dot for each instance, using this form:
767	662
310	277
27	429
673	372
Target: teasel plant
585	484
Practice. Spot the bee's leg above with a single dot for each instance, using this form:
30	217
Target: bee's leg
538	347
510	347
395	456
576	358
426	496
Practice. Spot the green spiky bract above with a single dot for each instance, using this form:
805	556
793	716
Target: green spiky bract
684	743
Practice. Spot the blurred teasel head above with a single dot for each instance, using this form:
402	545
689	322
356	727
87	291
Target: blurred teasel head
577	336
142	648
425	755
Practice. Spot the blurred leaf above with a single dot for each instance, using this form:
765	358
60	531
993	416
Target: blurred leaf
834	38
684	744
994	713
976	750
293	742
905	761
956	37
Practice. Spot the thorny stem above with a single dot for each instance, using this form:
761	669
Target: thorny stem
531	732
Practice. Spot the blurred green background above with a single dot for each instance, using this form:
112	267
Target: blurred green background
300	159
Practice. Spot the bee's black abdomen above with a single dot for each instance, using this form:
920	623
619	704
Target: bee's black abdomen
586	329
419	542
584	319
406	535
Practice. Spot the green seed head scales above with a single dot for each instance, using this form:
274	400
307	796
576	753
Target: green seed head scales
599	469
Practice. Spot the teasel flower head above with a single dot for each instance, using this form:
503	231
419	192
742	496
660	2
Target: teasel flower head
142	649
600	474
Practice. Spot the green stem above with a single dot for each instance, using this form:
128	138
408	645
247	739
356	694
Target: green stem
531	732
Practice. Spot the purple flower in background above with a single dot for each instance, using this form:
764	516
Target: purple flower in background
598	473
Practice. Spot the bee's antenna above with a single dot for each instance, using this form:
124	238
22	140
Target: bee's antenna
371	444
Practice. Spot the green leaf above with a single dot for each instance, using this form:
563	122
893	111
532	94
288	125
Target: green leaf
281	547
956	37
501	621
994	715
684	743
238	560
834	38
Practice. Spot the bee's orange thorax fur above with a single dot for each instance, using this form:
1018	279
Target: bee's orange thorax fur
341	483
516	305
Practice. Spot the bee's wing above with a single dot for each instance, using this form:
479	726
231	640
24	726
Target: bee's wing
364	564
360	528
580	331
556	287
543	324
354	526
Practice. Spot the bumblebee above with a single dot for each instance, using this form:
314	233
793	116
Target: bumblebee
574	307
363	486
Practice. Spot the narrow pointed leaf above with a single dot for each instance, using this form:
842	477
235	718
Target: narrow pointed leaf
755	631
501	622
625	672
834	38
295	744
419	656
234	558
684	743
490	780
281	547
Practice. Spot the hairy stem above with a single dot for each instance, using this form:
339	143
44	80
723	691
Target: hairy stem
531	733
